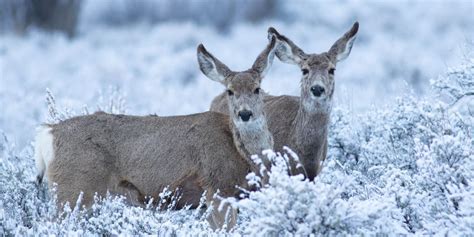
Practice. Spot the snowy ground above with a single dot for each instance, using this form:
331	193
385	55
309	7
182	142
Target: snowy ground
400	46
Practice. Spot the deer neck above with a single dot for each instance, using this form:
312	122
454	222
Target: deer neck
309	133
251	139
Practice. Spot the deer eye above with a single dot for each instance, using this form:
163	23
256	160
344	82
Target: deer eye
305	71
331	71
257	91
229	92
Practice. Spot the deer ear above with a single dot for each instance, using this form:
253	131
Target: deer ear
264	61
286	50
211	66
342	48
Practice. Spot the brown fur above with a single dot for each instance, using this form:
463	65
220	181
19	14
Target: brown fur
138	156
301	123
100	152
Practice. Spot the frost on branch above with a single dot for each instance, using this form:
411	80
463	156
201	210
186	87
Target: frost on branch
457	83
112	101
55	115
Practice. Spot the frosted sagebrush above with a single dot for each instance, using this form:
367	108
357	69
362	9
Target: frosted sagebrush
111	101
420	154
457	82
290	205
403	169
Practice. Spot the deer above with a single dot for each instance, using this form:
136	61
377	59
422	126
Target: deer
301	123
139	156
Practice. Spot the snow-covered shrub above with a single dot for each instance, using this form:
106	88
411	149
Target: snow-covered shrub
112	216
457	83
420	153
22	204
289	205
110	101
457	87
405	168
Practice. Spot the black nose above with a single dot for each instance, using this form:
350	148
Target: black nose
317	90
245	115
311	173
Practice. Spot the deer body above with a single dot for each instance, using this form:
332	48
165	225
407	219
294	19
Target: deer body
104	152
138	156
301	123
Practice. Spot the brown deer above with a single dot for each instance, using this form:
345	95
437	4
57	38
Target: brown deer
139	156
301	123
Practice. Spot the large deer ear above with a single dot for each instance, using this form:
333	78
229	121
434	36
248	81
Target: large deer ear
264	61
286	50
211	66
342	48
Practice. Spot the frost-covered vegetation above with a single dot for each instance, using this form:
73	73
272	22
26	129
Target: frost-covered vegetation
407	168
402	164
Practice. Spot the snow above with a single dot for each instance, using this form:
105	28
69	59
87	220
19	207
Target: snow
401	148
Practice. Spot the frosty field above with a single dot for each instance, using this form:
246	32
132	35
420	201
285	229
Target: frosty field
401	156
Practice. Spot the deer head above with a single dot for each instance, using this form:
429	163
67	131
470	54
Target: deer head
318	70
244	95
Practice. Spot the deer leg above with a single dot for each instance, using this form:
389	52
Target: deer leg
132	193
223	218
191	191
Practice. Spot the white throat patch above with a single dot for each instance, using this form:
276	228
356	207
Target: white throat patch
255	135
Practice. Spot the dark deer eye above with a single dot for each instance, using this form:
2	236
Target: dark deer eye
305	71
229	92
257	91
331	71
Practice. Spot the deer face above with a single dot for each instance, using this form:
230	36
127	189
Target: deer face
244	96
317	79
